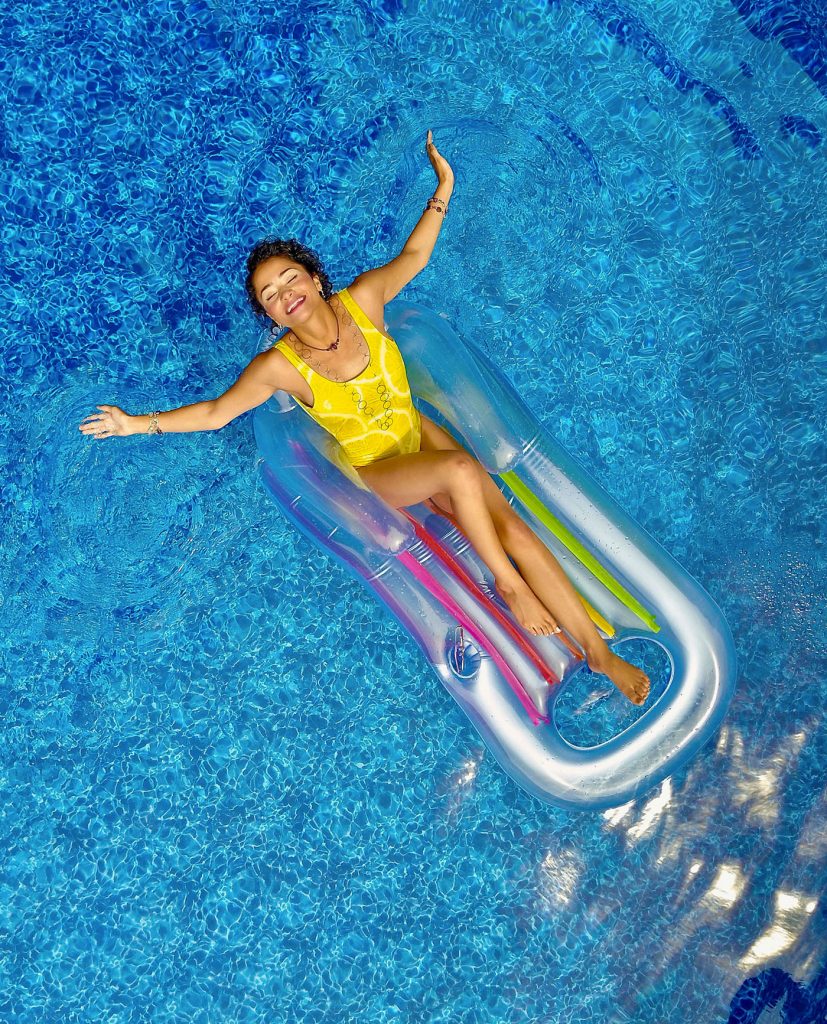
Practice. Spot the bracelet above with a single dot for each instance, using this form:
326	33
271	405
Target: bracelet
153	427
431	205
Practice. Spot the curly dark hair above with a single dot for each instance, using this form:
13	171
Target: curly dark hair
293	249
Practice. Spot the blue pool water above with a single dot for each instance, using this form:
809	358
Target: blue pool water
232	788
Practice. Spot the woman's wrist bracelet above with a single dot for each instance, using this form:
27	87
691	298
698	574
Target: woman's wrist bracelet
434	204
153	427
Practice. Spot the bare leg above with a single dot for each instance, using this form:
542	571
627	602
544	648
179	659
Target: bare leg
547	580
408	479
545	576
474	519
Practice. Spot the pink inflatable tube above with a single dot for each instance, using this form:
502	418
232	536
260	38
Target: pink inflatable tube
422	568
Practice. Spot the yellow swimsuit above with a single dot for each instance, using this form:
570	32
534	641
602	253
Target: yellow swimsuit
371	415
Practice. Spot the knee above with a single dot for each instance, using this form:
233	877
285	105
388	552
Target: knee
462	471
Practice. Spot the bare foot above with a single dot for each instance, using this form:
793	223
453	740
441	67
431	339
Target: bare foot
527	608
628	678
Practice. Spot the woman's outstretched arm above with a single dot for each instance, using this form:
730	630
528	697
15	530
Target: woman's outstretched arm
255	385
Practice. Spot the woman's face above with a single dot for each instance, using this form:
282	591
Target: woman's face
286	290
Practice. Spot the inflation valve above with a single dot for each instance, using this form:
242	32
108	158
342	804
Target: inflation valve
463	657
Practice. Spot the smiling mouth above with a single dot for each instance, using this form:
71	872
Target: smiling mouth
296	305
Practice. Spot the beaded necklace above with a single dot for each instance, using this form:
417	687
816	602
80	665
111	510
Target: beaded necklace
379	409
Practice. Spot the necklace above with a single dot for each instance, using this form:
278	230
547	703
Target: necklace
325	371
327	348
380	410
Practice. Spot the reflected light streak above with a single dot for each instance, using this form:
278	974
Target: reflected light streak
811	963
617	814
458	786
466	774
652	812
757	788
670	851
774	941
559	874
701	912
787	901
727	887
792	916
812	842
688	882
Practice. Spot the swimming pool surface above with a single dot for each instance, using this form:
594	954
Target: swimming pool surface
232	788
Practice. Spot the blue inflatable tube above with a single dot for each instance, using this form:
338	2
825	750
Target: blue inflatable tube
424	570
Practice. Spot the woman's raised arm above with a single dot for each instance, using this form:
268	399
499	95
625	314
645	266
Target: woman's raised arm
386	282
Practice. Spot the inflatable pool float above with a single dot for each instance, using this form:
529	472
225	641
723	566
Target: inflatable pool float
424	570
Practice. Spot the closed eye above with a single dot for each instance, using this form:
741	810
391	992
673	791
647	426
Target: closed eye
266	298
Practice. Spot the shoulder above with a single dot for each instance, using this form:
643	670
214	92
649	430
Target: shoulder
368	296
272	367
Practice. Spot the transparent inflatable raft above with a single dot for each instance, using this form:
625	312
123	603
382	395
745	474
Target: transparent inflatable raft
424	570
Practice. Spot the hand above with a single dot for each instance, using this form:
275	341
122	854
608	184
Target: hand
110	422
438	162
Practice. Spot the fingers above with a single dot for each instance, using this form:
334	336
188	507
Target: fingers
98	424
94	423
438	161
98	417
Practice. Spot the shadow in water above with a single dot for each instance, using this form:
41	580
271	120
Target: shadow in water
799	1004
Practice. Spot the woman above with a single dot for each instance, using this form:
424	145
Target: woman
351	378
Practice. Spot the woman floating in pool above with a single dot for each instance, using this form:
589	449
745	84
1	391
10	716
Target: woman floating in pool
349	376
